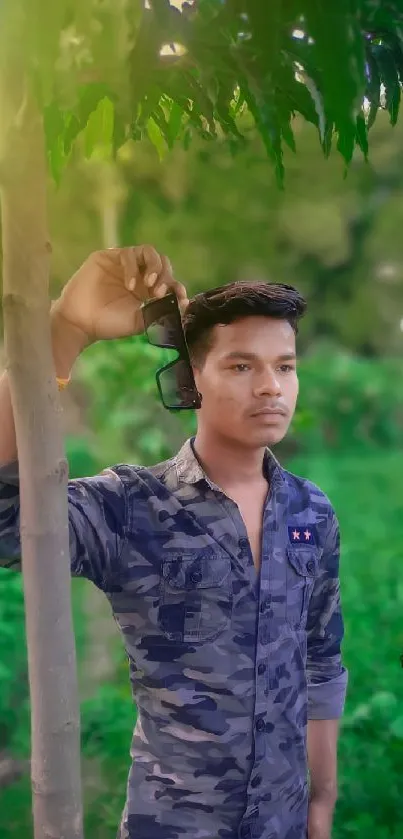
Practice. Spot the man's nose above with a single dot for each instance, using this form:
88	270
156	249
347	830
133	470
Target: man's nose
269	384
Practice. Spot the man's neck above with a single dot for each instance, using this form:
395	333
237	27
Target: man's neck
228	464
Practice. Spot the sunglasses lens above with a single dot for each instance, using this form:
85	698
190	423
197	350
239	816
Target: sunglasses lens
177	386
163	332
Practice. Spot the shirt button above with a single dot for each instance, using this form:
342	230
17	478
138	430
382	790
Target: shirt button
264	635
196	576
260	725
310	566
261	669
264	606
257	780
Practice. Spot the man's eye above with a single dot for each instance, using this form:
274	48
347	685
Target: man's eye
287	368
240	368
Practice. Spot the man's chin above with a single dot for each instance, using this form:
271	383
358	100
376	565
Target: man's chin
270	437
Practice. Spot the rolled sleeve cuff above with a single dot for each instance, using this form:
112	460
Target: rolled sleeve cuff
326	700
9	473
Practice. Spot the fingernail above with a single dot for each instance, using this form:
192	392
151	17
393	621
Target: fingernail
132	283
151	280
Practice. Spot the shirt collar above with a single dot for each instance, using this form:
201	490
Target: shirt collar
190	471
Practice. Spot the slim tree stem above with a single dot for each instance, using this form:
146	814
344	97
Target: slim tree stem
55	758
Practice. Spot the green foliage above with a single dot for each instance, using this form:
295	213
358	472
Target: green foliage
167	71
13	675
347	403
221	218
107	723
367	494
16	799
123	406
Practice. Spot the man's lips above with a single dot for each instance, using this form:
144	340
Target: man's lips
261	412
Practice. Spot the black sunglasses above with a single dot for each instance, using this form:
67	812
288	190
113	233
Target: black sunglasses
175	381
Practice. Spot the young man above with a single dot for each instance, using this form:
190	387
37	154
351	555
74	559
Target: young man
220	566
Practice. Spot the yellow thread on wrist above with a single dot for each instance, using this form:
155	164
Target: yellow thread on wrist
62	383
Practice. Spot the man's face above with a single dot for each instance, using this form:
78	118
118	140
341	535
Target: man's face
249	382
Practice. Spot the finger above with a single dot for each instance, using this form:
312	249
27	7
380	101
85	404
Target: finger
131	268
160	290
180	290
152	265
164	275
181	295
138	262
167	269
173	285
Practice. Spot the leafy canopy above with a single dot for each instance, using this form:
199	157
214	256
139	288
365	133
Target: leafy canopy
123	69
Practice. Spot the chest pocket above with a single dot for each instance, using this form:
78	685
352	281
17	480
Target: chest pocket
302	571
195	596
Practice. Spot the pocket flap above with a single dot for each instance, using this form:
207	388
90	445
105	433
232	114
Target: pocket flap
304	560
189	571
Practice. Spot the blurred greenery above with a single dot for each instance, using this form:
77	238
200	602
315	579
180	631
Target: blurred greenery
219	218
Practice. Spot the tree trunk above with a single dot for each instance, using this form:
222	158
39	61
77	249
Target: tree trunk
55	757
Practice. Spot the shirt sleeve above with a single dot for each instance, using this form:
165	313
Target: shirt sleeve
97	523
327	677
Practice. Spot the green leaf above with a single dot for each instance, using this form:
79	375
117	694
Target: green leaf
327	140
89	97
373	85
397	49
346	141
266	119
318	103
225	95
170	125
201	100
148	105
156	138
174	121
285	113
373	88
178	90
389	76
288	136
362	135
119	132
99	129
339	55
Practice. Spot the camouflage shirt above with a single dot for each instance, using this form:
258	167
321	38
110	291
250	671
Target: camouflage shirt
227	664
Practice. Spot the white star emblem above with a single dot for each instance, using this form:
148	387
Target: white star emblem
307	534
295	535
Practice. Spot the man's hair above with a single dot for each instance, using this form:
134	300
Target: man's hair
231	302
